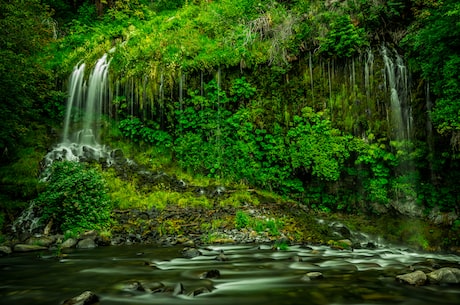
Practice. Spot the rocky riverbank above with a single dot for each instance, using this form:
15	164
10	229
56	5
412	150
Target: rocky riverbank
278	224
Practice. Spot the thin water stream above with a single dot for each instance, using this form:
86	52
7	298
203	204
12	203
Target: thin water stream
250	274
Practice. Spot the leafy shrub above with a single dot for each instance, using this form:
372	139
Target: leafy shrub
343	39
138	131
75	197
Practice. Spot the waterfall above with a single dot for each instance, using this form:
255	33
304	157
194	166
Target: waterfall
75	95
97	90
397	83
82	118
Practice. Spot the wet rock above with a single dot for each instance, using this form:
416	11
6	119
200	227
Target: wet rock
221	257
445	275
214	273
179	289
135	286
5	250
159	288
190	252
312	276
296	258
89	234
341	230
69	243
371	245
87	243
199	291
86	298
416	278
28	248
44	241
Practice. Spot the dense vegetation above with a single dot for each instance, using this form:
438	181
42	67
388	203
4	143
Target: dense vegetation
286	96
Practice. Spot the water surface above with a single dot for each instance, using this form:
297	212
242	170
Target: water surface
250	275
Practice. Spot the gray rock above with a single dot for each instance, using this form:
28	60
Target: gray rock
210	274
5	250
445	275
87	243
416	278
44	241
190	252
69	243
86	298
178	289
199	291
312	276
28	248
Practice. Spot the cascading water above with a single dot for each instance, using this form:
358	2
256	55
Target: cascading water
397	83
83	114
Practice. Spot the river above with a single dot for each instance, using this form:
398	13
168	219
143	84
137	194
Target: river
249	274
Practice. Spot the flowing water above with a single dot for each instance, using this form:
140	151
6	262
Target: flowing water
249	274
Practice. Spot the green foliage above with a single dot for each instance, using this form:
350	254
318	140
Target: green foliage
150	134
75	197
241	220
343	38
25	84
434	46
270	225
316	147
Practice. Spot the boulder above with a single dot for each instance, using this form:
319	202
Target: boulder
28	248
44	241
87	243
86	298
447	275
416	278
4	250
69	243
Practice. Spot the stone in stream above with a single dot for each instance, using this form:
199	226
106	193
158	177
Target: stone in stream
445	275
312	276
135	286
178	289
44	241
214	273
28	248
86	298
190	252
87	243
69	243
4	250
416	278
221	257
198	291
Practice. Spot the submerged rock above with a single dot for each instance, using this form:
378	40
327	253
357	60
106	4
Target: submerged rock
86	298
416	278
445	275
